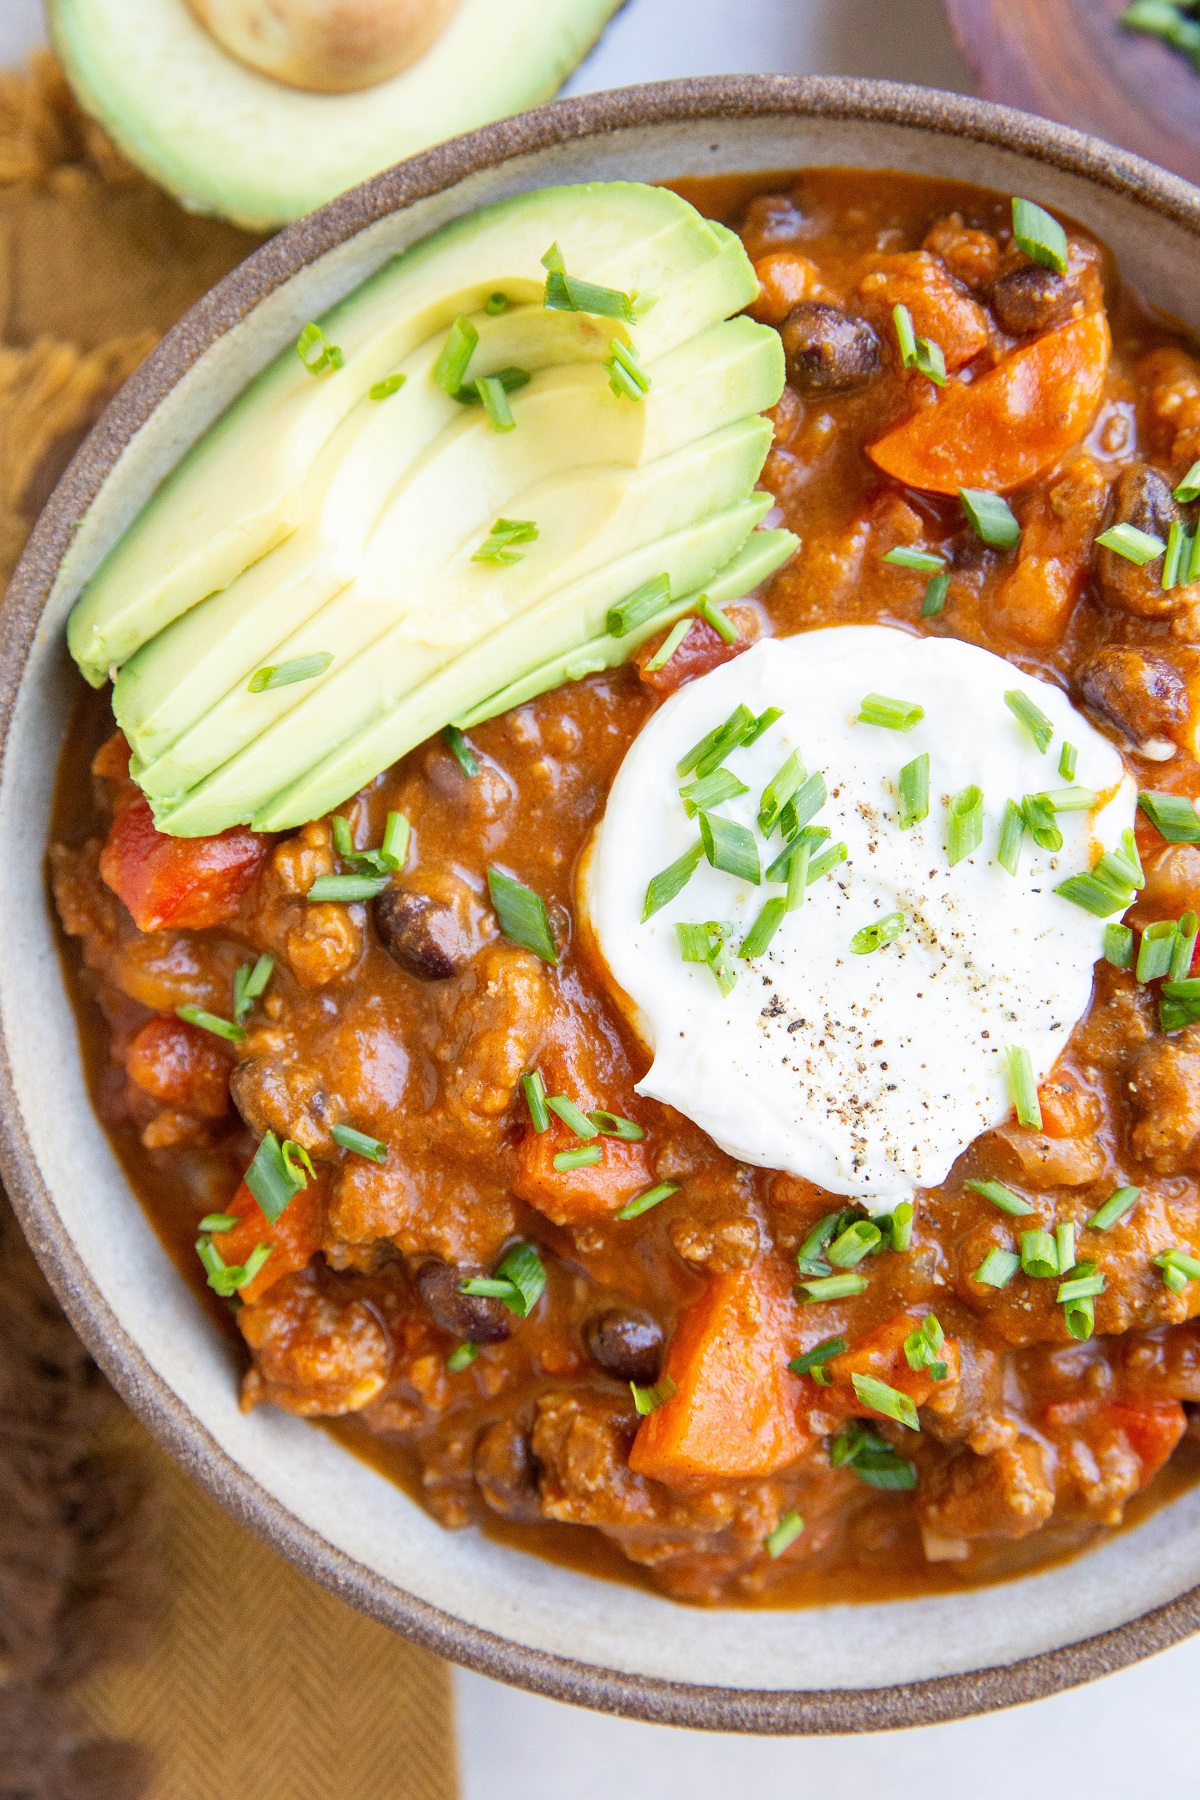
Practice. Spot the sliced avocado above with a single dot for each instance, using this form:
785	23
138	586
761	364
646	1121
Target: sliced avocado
239	491
760	556
225	139
588	521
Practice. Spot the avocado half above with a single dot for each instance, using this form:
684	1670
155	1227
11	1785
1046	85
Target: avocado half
226	140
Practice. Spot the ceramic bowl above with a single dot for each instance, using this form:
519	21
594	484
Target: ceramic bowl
837	1668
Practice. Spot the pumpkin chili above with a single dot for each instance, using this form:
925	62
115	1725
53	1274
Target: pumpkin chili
370	1082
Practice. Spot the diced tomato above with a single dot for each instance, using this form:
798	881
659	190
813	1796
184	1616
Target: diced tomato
735	1412
1151	1428
701	650
181	1066
881	1354
295	1236
185	882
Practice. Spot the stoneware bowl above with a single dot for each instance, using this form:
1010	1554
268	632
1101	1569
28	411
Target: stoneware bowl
838	1668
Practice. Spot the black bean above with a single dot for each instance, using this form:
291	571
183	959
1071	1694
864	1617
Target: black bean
1143	499
829	351
1140	692
506	1472
473	1317
1033	299
420	933
626	1343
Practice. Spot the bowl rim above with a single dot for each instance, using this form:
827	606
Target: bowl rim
150	1397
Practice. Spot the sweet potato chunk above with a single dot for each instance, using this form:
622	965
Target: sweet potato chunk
295	1236
940	311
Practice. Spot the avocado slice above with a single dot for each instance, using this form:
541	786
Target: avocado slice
224	139
239	491
760	556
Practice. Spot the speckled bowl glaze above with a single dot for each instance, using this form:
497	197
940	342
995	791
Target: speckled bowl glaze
833	1669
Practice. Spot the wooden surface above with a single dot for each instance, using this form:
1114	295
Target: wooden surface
1071	60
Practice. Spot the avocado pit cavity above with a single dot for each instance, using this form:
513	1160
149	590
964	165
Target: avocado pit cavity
324	48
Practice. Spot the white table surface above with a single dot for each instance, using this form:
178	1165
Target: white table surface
1104	1742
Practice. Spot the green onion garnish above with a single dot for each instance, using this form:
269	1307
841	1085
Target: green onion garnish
1064	1241
359	1143
672	880
249	982
826	860
1114	1208
610	1124
500	546
227	1278
1178	548
315	351
785	1533
1079	1317
1135	546
649	1399
522	915
1040	235
936	589
833	1287
383	390
449	371
1039	1258
1118	946
669	646
471	392
461	1358
871	1458
712	615
818	1356
997	1268
887	1400
626	376
1155	950
804	804
924	561
1080	1287
566	293
964	825
764	722
758	938
641	1203
715	746
495	403
707	944
578	1159
1174	816
701	796
781	788
1189	487
850	1246
1024	1087
780	869
347	888
520	1275
461	751
809	1257
394	850
218	1223
902	1225
495	304
301	668
534	1089
730	847
1093	895
1040	822
639	606
277	1175
1031	716
1069	799
571	1116
222	1028
923	1348
797	875
1185	947
914	792
1012	832
918	352
990	517
1003	1197
387	860
875	936
1067	759
1178	1268
895	715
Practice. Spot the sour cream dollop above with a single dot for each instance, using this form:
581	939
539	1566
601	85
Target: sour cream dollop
866	1073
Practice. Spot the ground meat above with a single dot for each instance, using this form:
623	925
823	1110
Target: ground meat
719	1245
496	1016
971	256
970	1409
1140	693
275	1091
1005	1494
320	941
829	351
1016	1153
314	1353
1164	1101
1144	500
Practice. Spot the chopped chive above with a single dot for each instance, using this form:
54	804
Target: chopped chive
1192	572
1114	1208
571	1116
461	751
1031	716
804	804
730	847
219	1223
1024	1087
488	1287
383	390
461	1358
301	668
886	1400
712	615
902	1225
758	938
990	517
1041	824
641	1203
613	1125
500	545
809	1256
1003	1197
1093	895
566	293
785	1533
274	1177
359	1143
672	880
1174	816
1079	1317
763	723
1039	1257
1012	832
811	835
1040	235
997	1268
649	1399
936	589
249	982
715	746
226	1278
906	337
825	861
519	1282
923	1347
534	1089
834	1287
222	1028
818	1356
347	888
522	915
1118	946
639	606
553	259
1080	1287
1064	1240
450	369
1189	487
1174	1013
851	1245
924	561
495	304
706	944
782	787
964	825
895	715
1178	1268
1177	539
918	352
1185	947
1155	950
495	403
1067	759
669	646
875	936
509	380
701	796
315	351
1135	546
797	876
626	376
1069	799
394	849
